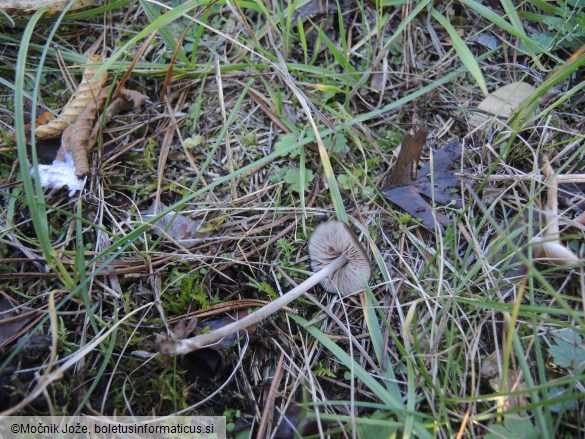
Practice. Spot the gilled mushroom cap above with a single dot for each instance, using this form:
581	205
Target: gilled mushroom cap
328	242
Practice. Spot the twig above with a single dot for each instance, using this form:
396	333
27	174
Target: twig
561	178
269	404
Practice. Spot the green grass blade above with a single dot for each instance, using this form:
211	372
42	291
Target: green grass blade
33	190
364	376
504	25
463	51
303	39
105	362
512	14
155	25
75	16
167	36
375	332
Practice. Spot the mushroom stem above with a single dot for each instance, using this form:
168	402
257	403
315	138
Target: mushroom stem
191	344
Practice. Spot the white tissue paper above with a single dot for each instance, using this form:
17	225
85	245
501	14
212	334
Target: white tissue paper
60	174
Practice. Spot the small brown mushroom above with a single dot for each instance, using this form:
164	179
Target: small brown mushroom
330	241
340	264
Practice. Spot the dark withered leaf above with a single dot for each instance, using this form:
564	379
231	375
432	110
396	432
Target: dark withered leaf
295	423
410	189
179	227
213	359
14	322
445	182
314	8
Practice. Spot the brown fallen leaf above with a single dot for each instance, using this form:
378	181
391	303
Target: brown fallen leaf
78	139
490	370
20	7
71	162
14	323
75	140
42	116
87	93
179	227
502	103
406	186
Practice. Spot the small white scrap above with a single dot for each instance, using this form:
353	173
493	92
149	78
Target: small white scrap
60	174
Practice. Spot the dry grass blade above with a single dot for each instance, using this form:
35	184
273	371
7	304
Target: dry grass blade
57	374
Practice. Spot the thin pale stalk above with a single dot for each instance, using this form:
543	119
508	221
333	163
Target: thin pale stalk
560	178
191	344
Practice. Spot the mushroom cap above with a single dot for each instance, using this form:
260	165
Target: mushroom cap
330	240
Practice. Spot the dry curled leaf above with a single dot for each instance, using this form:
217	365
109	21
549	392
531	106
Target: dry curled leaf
75	140
79	138
72	162
87	92
21	7
406	186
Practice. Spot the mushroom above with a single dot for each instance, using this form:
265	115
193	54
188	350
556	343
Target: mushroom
340	264
334	240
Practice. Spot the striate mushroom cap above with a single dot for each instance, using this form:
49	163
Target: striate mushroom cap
331	240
